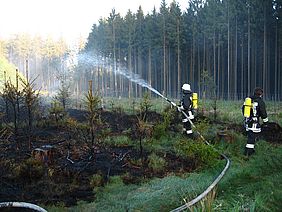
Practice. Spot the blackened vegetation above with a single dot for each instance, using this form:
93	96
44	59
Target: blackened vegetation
63	168
59	166
272	133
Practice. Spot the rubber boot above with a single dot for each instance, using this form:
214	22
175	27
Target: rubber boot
248	151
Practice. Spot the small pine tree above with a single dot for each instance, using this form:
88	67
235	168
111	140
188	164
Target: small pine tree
63	95
92	105
11	94
56	111
31	97
145	105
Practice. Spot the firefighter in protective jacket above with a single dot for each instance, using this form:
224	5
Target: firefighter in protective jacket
186	105
254	108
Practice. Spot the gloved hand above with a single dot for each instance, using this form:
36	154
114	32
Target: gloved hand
180	108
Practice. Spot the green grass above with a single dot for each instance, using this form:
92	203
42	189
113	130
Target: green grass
250	184
156	195
230	111
254	184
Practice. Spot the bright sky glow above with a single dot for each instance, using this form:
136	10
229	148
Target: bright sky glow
69	19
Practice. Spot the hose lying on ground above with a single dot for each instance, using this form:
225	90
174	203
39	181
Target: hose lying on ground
214	183
205	193
21	205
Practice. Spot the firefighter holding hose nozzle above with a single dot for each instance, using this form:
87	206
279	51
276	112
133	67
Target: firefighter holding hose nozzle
253	109
188	104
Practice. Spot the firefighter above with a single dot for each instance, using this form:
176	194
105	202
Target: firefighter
186	105
254	109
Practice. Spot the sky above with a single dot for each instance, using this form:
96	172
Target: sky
70	19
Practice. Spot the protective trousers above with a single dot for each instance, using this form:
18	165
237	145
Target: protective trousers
250	146
187	128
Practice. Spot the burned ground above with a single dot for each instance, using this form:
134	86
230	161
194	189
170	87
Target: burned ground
59	167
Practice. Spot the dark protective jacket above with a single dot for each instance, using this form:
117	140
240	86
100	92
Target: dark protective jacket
186	104
258	111
186	101
261	109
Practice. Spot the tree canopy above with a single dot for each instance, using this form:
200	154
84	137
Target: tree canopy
238	43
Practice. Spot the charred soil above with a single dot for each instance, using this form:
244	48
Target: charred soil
61	168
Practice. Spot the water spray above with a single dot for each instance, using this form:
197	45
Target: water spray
92	60
137	79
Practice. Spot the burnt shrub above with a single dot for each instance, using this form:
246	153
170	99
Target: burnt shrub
29	170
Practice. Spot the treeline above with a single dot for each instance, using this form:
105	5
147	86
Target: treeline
225	46
38	57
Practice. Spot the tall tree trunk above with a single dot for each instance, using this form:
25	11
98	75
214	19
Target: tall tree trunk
139	69
279	84
275	66
164	63
214	58
115	62
218	64
130	70
199	68
136	72
228	54
264	76
178	60
150	67
204	54
192	63
235	62
254	69
222	74
242	69
249	53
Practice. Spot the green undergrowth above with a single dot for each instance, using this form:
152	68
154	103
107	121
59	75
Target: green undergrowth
250	184
253	184
155	195
230	111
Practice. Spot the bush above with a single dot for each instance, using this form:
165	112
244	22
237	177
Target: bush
119	141
29	170
197	151
156	163
160	129
127	178
96	180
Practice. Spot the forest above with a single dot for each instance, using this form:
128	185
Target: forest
81	129
222	48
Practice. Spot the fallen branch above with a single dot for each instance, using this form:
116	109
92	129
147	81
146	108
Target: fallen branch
119	158
69	158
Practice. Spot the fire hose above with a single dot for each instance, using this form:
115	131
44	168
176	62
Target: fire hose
21	205
181	208
218	178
